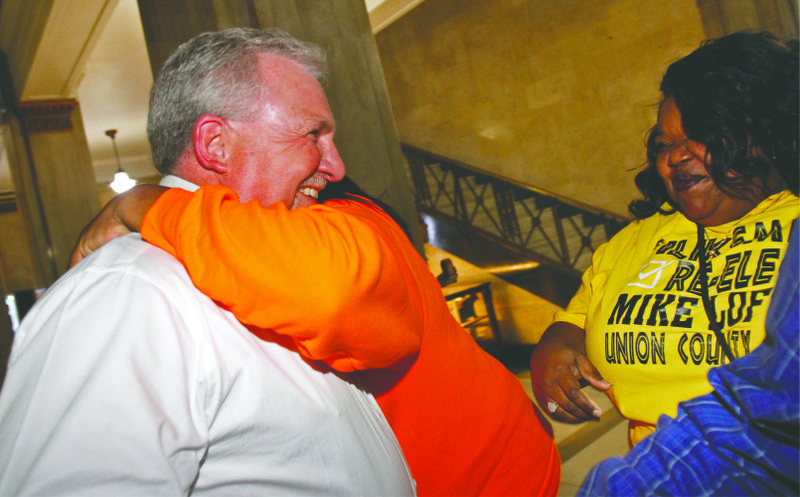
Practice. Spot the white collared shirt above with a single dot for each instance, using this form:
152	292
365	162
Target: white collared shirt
126	380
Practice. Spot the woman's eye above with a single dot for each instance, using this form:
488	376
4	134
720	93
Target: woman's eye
659	147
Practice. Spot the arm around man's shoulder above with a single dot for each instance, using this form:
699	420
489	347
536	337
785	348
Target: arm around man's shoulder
332	280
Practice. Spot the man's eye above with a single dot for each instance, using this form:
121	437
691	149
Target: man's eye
314	134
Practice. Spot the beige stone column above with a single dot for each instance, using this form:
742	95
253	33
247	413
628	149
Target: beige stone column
722	17
45	46
53	179
366	133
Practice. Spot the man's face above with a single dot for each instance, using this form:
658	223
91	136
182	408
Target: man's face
287	154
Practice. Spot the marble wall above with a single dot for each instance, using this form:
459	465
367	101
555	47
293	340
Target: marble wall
555	94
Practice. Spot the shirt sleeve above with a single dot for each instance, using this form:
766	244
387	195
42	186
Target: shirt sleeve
331	276
575	313
709	449
593	280
576	310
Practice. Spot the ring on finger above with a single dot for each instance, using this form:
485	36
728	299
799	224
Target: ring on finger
552	407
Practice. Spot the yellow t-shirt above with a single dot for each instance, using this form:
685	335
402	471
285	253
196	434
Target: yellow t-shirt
640	303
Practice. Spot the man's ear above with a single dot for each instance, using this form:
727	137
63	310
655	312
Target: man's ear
210	145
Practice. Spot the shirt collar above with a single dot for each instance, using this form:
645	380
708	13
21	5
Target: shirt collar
172	181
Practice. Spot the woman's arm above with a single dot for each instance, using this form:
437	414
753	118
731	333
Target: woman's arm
122	215
339	280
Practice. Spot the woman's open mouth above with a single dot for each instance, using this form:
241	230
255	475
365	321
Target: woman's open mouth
682	182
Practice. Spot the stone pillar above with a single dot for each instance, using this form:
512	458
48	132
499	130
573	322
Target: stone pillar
44	47
53	179
722	17
366	133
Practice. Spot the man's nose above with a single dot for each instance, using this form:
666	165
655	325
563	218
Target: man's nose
331	163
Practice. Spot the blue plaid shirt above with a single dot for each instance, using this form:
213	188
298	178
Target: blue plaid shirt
741	439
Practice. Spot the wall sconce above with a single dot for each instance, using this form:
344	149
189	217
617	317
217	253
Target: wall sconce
121	181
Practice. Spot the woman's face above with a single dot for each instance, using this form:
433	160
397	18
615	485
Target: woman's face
681	164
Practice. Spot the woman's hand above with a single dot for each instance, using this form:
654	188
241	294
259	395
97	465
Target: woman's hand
557	365
122	215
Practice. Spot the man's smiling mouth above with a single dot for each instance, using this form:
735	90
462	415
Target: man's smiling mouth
312	186
310	192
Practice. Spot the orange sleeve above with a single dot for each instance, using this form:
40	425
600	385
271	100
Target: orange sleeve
331	277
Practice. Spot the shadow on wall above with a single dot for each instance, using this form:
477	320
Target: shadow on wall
6	338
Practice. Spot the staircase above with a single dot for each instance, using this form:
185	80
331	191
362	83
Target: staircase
554	231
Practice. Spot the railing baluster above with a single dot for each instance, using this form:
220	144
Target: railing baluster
501	223
504	201
422	193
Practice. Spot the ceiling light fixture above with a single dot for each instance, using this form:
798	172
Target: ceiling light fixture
122	182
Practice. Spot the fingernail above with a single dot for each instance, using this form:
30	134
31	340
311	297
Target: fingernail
596	413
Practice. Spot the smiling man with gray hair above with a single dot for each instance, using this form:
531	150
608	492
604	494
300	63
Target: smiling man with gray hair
125	380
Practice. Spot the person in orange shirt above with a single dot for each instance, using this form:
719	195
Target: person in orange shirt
463	421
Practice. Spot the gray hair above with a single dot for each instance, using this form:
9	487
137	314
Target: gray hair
216	73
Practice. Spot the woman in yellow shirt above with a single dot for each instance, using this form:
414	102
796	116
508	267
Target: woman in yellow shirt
686	286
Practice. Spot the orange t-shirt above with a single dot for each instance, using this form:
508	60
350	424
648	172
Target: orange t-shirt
342	281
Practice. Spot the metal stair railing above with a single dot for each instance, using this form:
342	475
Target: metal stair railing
547	228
